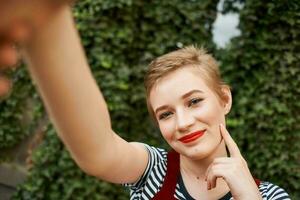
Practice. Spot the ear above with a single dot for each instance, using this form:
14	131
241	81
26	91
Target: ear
226	98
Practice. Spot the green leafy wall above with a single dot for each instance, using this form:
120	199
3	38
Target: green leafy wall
263	67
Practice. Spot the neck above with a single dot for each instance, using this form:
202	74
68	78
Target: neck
197	168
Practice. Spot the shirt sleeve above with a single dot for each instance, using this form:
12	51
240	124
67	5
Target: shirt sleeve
157	159
271	191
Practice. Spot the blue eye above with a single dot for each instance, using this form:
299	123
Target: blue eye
164	115
194	101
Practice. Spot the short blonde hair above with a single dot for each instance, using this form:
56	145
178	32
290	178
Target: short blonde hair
187	56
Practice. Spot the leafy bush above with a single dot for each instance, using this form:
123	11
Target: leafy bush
262	66
21	113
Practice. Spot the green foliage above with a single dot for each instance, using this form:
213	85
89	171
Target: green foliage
262	66
120	39
19	114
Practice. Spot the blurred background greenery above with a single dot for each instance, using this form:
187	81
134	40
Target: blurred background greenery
120	38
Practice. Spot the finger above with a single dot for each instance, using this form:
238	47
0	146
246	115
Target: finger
5	86
232	146
208	185
222	160
8	55
218	161
19	32
213	181
207	171
217	164
215	173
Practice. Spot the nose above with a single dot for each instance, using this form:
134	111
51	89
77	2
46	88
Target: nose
184	120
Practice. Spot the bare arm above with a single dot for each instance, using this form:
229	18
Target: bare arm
76	106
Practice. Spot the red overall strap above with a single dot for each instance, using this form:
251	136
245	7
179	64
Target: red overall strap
257	181
168	188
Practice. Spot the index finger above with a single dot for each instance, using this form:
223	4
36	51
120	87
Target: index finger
232	146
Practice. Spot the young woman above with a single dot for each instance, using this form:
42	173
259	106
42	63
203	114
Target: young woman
186	98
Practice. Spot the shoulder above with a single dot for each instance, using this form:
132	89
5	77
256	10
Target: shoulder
156	154
270	191
151	180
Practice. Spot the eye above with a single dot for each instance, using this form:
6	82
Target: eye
194	101
164	115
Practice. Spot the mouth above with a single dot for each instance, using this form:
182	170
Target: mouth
192	136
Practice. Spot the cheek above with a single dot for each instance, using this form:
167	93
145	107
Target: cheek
167	130
210	114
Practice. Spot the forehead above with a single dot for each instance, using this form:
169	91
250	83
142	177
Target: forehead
176	84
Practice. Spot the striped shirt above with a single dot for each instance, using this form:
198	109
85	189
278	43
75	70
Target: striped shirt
152	180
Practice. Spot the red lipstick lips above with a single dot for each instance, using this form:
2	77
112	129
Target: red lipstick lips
191	137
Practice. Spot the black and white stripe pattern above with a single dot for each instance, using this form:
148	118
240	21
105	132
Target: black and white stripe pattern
271	191
153	177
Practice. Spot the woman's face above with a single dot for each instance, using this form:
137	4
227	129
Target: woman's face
189	112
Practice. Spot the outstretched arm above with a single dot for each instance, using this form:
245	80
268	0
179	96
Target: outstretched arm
76	106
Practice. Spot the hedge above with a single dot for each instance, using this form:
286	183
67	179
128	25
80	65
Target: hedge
263	67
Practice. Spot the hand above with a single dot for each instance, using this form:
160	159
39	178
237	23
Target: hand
234	170
19	18
8	52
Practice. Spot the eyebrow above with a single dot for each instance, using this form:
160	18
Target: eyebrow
183	97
